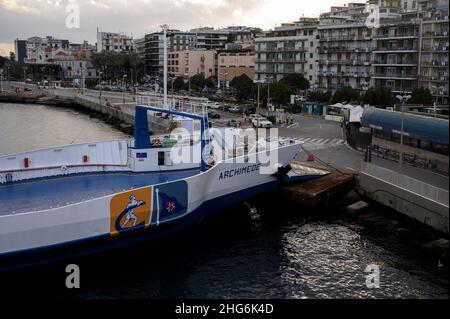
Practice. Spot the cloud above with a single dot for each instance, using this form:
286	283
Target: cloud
5	48
26	18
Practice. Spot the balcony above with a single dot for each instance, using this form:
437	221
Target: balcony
333	49
396	75
345	38
436	48
435	64
413	48
442	78
283	49
394	62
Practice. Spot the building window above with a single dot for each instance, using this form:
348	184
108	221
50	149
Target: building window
311	55
310	66
311	44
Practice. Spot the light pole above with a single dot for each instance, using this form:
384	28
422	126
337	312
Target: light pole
123	87
257	112
268	77
223	91
403	99
100	86
437	89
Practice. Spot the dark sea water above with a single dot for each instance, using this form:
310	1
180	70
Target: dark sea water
274	250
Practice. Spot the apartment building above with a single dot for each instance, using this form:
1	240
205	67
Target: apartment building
234	63
188	63
211	39
412	50
396	56
75	67
114	42
154	48
345	48
42	50
139	47
434	59
290	48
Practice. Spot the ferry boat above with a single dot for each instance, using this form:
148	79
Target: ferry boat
78	199
89	197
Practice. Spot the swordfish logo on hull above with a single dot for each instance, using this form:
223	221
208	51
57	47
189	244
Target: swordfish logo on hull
130	211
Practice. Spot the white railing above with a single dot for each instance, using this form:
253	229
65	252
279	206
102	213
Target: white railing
69	159
408	183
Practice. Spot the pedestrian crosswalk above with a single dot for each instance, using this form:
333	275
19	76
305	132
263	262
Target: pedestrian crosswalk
312	143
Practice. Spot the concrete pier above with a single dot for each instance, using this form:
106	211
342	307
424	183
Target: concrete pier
322	191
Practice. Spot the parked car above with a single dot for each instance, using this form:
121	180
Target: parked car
261	123
215	106
213	115
232	123
234	109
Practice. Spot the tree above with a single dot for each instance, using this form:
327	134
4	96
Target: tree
280	93
114	64
380	95
318	96
197	82
178	84
296	80
421	95
345	94
244	86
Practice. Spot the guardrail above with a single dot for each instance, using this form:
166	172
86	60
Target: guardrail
408	183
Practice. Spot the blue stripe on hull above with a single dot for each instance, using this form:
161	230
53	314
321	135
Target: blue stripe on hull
208	209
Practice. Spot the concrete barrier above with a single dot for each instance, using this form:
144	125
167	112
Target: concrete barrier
420	201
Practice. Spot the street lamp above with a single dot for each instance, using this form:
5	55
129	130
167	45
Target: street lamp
437	90
268	77
223	91
123	87
403	99
100	86
1	80
257	112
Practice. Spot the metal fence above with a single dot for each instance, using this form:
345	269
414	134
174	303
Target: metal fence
413	185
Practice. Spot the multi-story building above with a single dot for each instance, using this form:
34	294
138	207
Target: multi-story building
139	47
191	62
74	67
85	46
233	63
396	56
210	38
114	42
20	50
345	48
434	58
154	49
412	50
290	48
43	50
242	36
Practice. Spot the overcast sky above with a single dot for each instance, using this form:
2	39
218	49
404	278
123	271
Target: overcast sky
25	18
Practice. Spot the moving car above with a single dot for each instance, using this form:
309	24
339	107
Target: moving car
261	123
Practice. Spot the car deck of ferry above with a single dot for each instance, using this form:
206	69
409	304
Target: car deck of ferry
42	194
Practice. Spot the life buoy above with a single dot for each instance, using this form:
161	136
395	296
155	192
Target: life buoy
156	142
